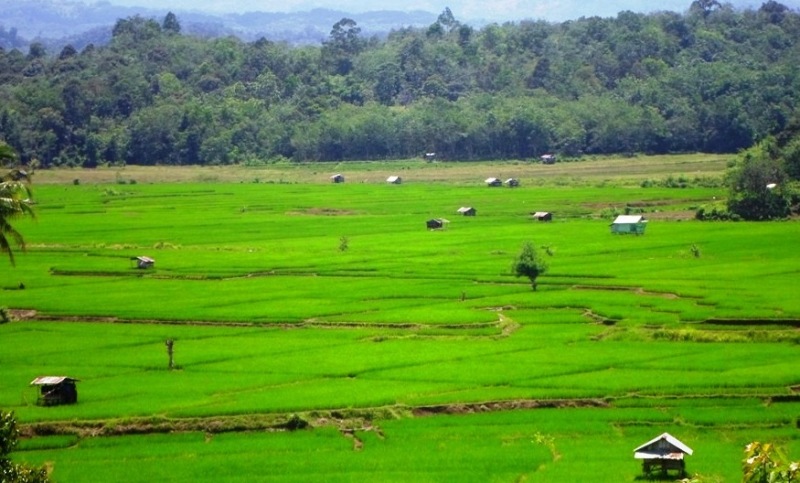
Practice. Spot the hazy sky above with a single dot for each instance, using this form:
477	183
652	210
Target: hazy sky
495	10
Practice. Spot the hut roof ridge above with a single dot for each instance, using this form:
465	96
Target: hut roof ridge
668	438
51	380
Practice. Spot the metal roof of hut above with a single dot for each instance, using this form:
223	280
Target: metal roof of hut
623	219
664	446
394	179
493	182
51	380
629	224
542	215
512	182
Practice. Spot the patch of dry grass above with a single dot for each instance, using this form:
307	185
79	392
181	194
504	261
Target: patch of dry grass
616	169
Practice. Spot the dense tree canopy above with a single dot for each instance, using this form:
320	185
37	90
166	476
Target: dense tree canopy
710	79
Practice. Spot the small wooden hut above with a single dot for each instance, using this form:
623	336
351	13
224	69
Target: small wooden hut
394	180
512	182
467	211
144	262
548	158
493	182
629	224
665	453
337	178
436	223
55	390
542	216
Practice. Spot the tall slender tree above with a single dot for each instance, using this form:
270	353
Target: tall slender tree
15	200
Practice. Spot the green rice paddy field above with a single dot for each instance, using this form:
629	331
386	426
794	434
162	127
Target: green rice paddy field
411	354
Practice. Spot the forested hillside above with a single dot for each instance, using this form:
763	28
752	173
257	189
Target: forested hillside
712	79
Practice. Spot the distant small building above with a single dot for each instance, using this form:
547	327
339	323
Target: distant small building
144	262
548	158
493	182
394	180
430	156
629	224
542	216
512	182
436	223
664	452
467	211
337	178
55	390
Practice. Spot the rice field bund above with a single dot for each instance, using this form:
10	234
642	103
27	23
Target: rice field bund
268	324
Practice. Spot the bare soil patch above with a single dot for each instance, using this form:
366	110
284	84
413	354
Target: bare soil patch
483	407
323	212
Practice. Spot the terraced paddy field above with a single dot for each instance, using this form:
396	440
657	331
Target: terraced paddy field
321	332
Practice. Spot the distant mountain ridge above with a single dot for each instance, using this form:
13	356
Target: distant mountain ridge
56	23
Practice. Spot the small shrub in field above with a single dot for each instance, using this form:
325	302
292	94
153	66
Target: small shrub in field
715	214
5	317
629	210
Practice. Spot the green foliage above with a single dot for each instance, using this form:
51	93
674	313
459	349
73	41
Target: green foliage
710	79
15	200
715	213
758	184
529	264
11	472
764	463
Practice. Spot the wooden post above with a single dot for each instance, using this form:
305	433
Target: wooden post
169	343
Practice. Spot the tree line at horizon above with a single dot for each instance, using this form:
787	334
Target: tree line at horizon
712	79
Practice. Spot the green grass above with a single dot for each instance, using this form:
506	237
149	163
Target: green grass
541	446
270	317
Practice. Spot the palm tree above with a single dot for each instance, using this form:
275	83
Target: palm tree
15	200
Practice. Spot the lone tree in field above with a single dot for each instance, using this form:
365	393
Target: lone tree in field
529	264
9	471
15	199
